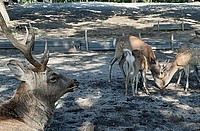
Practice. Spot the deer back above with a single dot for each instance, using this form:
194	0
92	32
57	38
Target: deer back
191	54
121	43
147	51
149	54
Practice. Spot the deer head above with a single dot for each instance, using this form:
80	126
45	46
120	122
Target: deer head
181	61
164	68
40	87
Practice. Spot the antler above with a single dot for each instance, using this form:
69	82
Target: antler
165	65
24	46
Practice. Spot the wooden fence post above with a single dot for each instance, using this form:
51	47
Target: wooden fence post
86	41
158	28
172	41
139	35
182	26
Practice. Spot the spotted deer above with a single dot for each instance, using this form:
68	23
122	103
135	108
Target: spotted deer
134	43
32	106
186	57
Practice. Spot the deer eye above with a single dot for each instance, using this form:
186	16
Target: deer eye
53	78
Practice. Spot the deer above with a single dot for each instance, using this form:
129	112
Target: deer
137	63
32	106
134	43
186	57
129	60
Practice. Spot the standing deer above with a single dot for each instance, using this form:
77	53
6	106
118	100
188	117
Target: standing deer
129	60
186	57
137	63
133	43
32	106
141	66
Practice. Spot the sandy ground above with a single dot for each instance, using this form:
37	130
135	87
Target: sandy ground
97	102
106	20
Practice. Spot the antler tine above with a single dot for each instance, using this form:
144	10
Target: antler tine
26	36
165	65
23	46
45	57
166	62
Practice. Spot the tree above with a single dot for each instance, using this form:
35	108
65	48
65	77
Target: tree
4	12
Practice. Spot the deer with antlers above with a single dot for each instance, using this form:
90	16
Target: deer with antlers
32	106
186	57
134	43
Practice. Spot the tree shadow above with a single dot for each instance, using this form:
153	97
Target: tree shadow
111	110
105	105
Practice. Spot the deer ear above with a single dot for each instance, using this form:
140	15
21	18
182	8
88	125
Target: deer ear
17	69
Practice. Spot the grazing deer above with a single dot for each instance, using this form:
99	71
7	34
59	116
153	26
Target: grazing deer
186	57
137	63
32	106
132	43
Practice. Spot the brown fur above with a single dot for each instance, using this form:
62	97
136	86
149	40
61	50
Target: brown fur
146	50
132	43
141	65
186	57
32	105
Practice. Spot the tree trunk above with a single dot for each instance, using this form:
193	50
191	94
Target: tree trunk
133	1
4	12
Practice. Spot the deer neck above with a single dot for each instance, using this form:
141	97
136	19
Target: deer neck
26	108
170	74
155	70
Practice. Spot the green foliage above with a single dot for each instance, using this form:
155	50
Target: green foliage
171	1
117	1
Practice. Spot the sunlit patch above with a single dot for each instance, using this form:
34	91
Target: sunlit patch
3	88
184	106
87	126
182	93
170	99
87	102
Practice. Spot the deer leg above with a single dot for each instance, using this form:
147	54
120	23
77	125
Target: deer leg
145	82
133	85
126	83
179	79
110	67
187	71
121	65
136	83
127	79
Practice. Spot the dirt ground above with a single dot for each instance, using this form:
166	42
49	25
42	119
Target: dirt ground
97	102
